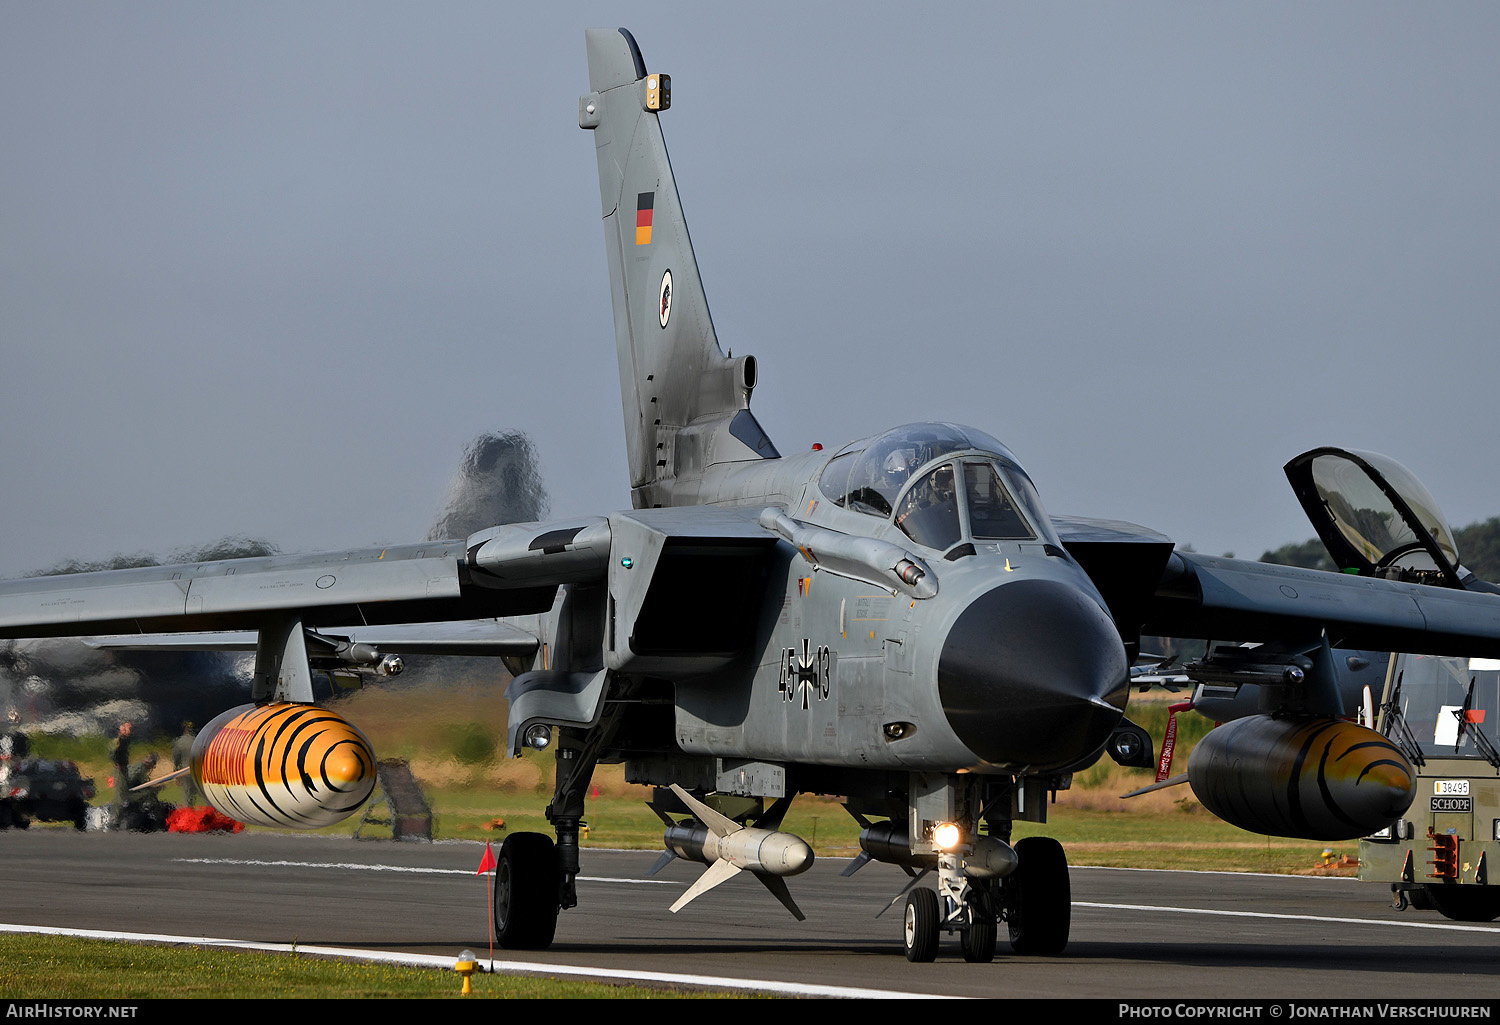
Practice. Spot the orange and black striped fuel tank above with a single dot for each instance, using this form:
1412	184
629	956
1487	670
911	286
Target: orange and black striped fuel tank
1315	777
290	766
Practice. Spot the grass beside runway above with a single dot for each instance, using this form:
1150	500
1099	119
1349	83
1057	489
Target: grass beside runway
39	967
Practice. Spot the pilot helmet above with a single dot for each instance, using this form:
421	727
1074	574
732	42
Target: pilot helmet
942	481
899	463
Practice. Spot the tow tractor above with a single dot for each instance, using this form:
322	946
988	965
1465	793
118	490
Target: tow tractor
1444	714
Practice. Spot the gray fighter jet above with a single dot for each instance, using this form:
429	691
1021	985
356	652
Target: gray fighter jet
898	622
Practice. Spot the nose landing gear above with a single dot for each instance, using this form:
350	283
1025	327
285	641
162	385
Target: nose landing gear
1035	902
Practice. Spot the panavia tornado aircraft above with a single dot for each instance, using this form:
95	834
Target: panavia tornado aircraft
899	623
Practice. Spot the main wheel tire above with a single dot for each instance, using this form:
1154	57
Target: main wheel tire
526	883
1465	903
978	940
921	925
1038	897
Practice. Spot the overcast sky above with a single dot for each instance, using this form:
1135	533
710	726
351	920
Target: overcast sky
265	268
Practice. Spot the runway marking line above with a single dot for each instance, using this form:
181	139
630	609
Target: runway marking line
1285	917
344	866
507	967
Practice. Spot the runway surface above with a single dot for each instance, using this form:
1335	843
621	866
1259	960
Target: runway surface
1135	934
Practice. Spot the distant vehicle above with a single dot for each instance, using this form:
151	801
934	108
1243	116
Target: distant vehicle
44	789
1442	713
145	815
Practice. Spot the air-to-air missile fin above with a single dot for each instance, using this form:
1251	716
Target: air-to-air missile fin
722	825
915	879
667	857
1181	777
713	876
860	861
727	846
162	780
777	886
771	818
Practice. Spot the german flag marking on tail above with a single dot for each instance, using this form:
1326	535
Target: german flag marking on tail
645	205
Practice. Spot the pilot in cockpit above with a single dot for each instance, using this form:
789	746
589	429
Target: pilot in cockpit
898	467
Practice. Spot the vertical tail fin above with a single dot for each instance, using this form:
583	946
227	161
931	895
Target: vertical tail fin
686	403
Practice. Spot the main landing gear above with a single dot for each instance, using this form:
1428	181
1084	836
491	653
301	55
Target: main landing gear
526	885
535	877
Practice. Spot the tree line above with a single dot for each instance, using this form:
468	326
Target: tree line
1478	549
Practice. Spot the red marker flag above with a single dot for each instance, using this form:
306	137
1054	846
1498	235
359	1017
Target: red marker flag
486	868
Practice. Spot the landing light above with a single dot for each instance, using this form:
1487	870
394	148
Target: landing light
1126	745
946	836
538	737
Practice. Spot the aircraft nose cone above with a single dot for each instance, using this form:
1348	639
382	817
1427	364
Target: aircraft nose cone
1033	673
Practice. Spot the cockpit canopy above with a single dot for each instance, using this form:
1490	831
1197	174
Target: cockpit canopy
1373	514
981	492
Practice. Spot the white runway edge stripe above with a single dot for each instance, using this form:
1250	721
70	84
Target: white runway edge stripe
1284	917
522	967
348	865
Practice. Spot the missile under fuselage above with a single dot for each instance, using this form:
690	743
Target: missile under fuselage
1318	778
753	850
288	766
727	847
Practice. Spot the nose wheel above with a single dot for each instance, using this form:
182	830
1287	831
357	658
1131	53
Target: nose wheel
958	905
978	940
922	925
1035	901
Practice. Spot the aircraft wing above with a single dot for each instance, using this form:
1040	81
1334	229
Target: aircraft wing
407	584
1083	530
468	637
440	597
1175	593
1238	600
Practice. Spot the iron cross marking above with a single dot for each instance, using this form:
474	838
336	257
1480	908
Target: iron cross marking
805	674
